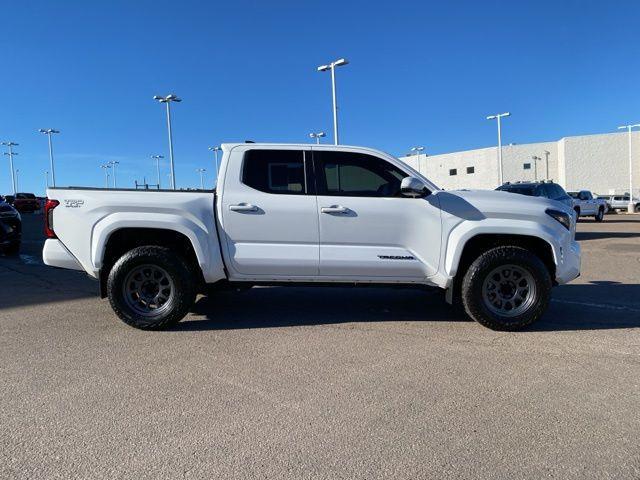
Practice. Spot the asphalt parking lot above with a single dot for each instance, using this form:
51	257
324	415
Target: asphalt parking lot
322	383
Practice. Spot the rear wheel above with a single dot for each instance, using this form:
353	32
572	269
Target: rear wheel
151	288
600	215
506	288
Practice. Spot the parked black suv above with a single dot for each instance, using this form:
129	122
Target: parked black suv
10	229
549	190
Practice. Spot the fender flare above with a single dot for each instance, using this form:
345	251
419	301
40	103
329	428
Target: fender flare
465	231
106	226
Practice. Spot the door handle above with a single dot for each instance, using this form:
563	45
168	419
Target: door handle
243	207
334	209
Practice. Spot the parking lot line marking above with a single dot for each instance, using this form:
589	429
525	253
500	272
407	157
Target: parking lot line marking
608	306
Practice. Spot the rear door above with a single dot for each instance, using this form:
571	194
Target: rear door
269	213
368	230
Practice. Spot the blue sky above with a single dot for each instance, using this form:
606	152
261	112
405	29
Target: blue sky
421	72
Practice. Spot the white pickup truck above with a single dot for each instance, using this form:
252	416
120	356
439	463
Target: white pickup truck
313	214
586	205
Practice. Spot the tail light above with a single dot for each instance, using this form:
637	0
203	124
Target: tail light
48	217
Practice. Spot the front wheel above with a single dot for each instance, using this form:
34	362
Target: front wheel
151	288
600	215
506	288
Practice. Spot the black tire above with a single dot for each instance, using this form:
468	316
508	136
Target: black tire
473	284
182	288
600	215
12	250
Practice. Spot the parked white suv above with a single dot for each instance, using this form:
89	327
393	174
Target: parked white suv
313	214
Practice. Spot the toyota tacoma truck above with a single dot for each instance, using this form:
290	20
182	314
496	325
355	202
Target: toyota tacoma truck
313	215
585	204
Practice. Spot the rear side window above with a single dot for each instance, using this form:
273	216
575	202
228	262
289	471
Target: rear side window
357	175
275	171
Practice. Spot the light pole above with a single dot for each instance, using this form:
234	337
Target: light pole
113	166
317	136
215	151
535	166
46	181
48	132
546	155
630	206
201	172
497	117
332	66
106	167
417	150
157	159
11	153
167	100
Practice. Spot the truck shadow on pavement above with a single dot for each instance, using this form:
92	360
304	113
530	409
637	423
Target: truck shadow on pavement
573	307
581	236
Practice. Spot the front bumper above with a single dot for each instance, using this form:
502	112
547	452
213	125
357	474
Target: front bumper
567	262
10	231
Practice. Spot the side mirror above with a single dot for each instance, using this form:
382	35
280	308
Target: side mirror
413	187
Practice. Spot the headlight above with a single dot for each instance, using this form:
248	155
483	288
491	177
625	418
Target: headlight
562	217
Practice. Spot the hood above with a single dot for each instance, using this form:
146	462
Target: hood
479	204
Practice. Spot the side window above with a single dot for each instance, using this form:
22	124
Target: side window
275	171
588	196
559	191
543	191
356	175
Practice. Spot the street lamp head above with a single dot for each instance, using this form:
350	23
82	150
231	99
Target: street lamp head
340	62
214	149
157	156
9	144
492	117
323	68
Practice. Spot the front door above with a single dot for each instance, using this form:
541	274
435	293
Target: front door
368	230
269	213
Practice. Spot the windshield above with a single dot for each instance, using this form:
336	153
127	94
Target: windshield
25	195
529	190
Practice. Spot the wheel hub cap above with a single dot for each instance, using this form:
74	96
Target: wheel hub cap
509	290
148	290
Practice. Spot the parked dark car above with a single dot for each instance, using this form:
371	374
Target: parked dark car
8	198
10	229
26	202
549	190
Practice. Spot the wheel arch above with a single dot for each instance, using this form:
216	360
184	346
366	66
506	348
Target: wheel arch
125	239
468	239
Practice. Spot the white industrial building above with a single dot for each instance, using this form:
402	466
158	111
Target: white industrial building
599	163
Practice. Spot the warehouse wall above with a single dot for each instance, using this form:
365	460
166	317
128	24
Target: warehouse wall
595	162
